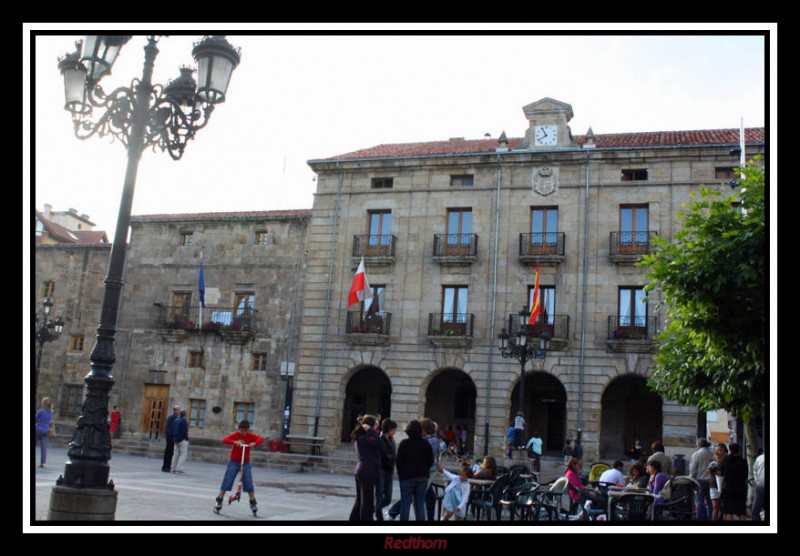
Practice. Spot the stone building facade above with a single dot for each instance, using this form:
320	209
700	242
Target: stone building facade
71	275
451	233
221	362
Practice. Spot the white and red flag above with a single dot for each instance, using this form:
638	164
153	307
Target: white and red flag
360	289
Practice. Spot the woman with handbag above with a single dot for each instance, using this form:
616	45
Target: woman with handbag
45	427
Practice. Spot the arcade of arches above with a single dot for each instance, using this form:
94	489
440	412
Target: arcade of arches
629	409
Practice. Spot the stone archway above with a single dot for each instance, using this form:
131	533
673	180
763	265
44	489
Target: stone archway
629	410
545	409
450	400
368	391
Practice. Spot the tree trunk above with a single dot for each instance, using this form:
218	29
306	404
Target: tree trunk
751	443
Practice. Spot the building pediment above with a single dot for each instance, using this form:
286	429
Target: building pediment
548	105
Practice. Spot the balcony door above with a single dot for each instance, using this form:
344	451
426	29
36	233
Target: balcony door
632	310
454	310
181	303
547	300
379	231
244	303
459	231
544	230
633	229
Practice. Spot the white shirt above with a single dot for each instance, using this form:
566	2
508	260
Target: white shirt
519	422
758	470
613	476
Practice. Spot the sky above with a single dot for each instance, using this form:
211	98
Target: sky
311	95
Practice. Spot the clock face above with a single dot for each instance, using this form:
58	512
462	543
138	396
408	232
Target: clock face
546	135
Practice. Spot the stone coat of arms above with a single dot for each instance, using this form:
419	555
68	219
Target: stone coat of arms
545	180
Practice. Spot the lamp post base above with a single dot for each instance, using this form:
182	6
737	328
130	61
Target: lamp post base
82	504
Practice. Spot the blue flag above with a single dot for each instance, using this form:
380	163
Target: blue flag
202	285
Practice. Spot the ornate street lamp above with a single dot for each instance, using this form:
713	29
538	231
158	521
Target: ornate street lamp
47	330
524	348
141	115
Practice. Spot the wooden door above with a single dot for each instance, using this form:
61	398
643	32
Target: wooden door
154	409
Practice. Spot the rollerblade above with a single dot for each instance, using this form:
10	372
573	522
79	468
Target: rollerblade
254	507
217	504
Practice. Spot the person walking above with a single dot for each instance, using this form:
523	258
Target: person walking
534	447
414	460
760	493
429	432
241	439
519	430
116	417
658	454
368	467
733	493
717	480
169	448
180	437
698	470
45	427
388	458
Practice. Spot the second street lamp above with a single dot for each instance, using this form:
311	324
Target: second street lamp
47	330
528	345
141	115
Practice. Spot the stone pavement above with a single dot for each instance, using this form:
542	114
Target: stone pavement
146	494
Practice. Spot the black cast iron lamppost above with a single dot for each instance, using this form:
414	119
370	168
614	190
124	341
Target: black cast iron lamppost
47	330
524	348
141	115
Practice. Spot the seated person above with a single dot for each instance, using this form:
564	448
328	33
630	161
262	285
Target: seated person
487	469
637	476
613	476
657	480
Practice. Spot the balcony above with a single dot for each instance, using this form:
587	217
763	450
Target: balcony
556	325
451	329
627	248
235	325
632	334
366	330
542	248
455	249
376	250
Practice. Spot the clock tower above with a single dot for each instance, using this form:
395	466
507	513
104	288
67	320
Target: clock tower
548	127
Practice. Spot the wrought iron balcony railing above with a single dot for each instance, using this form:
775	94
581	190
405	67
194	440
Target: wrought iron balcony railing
451	324
374	246
541	244
214	318
555	325
632	328
631	243
455	246
358	323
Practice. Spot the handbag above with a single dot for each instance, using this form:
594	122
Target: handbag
51	433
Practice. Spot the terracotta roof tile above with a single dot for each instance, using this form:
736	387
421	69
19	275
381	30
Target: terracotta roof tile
610	140
241	215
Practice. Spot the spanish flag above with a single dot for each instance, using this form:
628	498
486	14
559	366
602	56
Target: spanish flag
536	305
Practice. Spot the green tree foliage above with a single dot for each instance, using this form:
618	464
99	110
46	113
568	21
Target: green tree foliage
712	278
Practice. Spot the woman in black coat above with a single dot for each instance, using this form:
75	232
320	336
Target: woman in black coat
414	460
368	467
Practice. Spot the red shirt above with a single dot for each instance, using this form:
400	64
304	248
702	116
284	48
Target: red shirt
236	451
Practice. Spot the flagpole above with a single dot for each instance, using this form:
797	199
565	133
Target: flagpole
201	286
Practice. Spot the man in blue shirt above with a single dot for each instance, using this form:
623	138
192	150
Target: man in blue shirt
166	467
